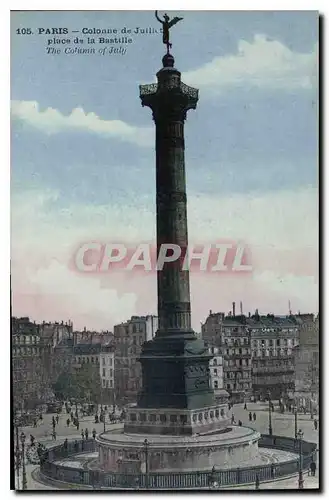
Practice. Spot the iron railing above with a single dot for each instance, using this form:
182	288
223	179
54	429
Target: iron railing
180	480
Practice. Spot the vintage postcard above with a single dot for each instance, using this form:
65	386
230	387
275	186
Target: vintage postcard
164	250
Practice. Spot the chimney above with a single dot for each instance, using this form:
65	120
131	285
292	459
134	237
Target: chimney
233	309
210	312
241	310
249	315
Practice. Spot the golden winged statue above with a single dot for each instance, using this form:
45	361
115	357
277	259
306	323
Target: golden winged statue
166	25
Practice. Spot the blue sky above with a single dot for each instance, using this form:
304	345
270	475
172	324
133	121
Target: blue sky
252	137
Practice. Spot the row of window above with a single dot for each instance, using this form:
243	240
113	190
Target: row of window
236	342
83	359
271	352
19	351
235	352
104	372
107	384
214	372
138	327
238	387
272	342
238	375
25	339
215	362
110	363
237	362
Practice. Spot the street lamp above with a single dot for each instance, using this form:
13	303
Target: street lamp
146	451
295	414
300	477
269	414
24	484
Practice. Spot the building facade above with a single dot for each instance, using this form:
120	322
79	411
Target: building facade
257	352
306	361
273	339
107	373
128	339
216	370
230	335
27	366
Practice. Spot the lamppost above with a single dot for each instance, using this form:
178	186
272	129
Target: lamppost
269	414
17	454
146	451
300	477
295	414
102	410
24	484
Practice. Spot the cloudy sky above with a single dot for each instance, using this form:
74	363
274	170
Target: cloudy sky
83	165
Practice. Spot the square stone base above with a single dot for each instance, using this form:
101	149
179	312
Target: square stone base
175	422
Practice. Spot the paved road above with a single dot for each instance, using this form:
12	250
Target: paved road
282	424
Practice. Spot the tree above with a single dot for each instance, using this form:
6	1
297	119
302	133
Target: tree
83	383
88	380
65	386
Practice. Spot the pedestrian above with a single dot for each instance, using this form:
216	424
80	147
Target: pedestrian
257	482
313	468
272	471
65	444
72	416
54	435
250	416
57	419
32	439
68	422
86	433
35	422
94	433
315	424
54	421
254	416
40	417
245	406
232	419
78	424
82	434
240	423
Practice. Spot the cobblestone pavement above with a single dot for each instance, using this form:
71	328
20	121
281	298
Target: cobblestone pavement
282	424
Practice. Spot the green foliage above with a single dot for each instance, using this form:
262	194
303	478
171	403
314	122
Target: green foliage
80	384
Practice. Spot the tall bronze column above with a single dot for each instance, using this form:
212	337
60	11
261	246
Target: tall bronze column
175	364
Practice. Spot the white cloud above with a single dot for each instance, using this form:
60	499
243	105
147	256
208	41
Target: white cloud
280	219
262	63
52	121
86	295
45	238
